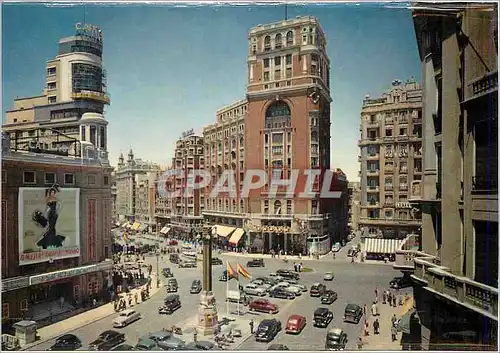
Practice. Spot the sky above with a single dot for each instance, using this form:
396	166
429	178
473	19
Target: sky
169	68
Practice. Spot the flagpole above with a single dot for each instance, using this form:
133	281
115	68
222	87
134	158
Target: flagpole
238	310
228	278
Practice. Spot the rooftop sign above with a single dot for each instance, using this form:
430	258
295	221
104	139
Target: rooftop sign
187	133
89	31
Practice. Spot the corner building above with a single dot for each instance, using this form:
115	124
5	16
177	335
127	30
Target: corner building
286	127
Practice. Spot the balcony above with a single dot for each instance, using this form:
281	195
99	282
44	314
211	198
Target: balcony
389	139
390	221
484	183
483	85
389	203
388	187
92	95
373	205
372	124
375	156
403	186
417	155
389	121
402	138
373	188
372	172
225	214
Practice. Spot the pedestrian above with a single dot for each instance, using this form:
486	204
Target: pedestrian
94	302
376	327
394	319
251	323
394	301
195	335
384	297
61	301
360	343
394	332
374	309
376	292
367	328
364	310
389	298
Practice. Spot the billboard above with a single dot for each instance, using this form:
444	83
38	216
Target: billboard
49	224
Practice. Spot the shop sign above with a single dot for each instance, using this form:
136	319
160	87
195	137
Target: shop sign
88	30
54	276
10	284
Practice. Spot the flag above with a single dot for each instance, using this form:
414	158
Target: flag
231	273
243	271
125	238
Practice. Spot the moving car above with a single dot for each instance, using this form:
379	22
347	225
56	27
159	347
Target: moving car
400	282
277	347
68	342
282	293
256	263
295	324
290	288
336	247
253	289
328	276
107	340
167	272
188	264
216	261
172	285
201	346
317	290
171	303
336	340
263	305
166	341
322	317
329	297
267	330
126	317
352	313
123	347
288	274
174	258
195	287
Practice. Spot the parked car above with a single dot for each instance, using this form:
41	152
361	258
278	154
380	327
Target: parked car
188	264
235	296
172	285
146	344
126	317
256	263
317	290
288	274
123	347
253	289
216	261
167	272
263	305
329	297
276	277
328	276
195	287
322	317
173	242
107	340
67	342
400	282
267	330
295	324
174	258
167	341
290	288
277	347
336	247
296	283
336	340
201	346
171	303
267	280
282	293
352	313
261	284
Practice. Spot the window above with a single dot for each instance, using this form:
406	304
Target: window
4	176
69	179
304	39
93	136
402	131
314	206
289	38
277	74
51	85
277	61
278	41
266	63
266	76
51	71
314	69
266	86
277	138
102	137
52	99
388	213
29	178
289	206
288	83
83	130
388	132
106	180
91	179
5	311
267	43
289	59
50	178
288	73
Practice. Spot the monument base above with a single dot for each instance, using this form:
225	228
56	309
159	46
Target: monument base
208	322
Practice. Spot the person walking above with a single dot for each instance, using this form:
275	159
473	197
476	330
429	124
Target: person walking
367	328
394	332
376	327
394	319
251	323
364	310
360	343
195	335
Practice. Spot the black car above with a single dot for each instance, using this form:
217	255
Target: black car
167	272
172	285
195	287
171	303
256	263
267	330
68	342
317	290
400	282
107	340
216	261
329	297
336	339
201	346
277	347
123	347
322	317
288	274
352	313
174	258
281	293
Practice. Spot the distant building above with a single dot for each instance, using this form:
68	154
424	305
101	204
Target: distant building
354	189
340	208
145	202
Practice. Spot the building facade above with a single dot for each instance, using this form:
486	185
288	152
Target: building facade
126	173
145	202
288	79
390	159
38	265
455	271
340	208
353	190
113	200
179	205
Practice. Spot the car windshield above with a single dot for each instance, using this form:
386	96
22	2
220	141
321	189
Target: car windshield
264	328
103	335
293	321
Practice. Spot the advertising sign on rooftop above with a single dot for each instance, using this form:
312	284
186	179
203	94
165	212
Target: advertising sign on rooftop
88	30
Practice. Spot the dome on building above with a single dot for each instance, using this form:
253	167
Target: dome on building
97	118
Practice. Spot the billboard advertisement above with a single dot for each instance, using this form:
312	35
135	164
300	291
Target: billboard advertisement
49	224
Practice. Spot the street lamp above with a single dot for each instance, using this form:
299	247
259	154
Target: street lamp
207	311
157	271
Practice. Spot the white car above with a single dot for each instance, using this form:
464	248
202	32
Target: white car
253	289
294	283
275	276
328	276
126	317
261	284
293	289
336	247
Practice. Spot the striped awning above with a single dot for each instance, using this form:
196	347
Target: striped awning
381	246
136	226
165	230
224	231
235	238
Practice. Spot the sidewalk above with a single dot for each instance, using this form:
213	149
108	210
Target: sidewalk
88	317
383	341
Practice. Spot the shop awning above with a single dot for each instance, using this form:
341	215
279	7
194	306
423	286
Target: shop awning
165	230
381	246
224	231
235	238
136	226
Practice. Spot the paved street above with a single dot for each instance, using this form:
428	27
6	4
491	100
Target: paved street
354	283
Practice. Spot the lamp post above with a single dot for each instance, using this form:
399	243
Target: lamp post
207	312
157	271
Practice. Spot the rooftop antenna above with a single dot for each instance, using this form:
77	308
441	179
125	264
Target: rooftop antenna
286	11
84	13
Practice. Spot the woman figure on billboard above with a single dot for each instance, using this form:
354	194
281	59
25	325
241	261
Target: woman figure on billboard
50	239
